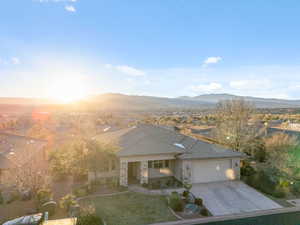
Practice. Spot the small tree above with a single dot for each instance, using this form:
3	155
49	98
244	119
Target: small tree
98	155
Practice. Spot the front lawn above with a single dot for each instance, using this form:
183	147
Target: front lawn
131	209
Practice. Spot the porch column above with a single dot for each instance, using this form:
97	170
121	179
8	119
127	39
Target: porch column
124	173
187	171
144	172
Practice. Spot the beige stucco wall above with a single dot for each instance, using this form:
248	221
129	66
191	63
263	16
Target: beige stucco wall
211	170
146	158
178	169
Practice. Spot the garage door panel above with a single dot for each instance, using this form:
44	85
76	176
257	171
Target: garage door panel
204	171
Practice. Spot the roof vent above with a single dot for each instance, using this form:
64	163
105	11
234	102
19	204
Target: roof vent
179	145
106	129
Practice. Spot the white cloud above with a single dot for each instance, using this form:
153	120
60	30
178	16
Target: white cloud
126	70
11	61
212	60
15	60
108	66
250	84
130	70
207	88
70	8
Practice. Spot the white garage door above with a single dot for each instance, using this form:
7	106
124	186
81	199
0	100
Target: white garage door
204	171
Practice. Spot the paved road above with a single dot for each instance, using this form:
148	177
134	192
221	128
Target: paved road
232	197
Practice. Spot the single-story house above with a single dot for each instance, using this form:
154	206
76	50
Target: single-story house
148	151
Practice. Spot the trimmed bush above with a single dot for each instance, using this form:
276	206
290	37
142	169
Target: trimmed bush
185	194
204	212
67	202
199	201
175	202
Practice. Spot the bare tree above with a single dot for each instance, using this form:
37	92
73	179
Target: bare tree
234	125
29	171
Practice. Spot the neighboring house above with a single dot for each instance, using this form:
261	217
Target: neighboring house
148	151
19	152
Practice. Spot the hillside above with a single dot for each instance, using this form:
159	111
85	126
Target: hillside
259	102
144	103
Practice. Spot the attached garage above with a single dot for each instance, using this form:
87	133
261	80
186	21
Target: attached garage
204	170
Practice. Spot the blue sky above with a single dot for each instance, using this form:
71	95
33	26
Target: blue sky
150	47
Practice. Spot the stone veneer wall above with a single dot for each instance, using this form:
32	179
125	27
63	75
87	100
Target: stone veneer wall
144	172
124	173
187	171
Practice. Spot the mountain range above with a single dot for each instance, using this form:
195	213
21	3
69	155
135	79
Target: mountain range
114	101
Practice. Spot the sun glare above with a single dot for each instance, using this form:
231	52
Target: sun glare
67	90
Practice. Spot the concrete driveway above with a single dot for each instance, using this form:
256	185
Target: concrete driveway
232	197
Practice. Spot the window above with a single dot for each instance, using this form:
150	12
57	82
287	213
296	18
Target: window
113	164
166	163
105	167
158	164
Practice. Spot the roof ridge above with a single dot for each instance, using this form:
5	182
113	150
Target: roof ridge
22	136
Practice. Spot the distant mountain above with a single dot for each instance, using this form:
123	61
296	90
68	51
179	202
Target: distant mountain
134	102
25	101
259	102
145	103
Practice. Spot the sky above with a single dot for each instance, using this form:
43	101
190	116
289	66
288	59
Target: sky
150	47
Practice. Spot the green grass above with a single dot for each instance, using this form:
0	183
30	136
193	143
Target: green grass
131	209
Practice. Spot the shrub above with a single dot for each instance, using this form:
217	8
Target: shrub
144	185
267	183
113	182
175	202
1	198
204	212
80	192
67	202
87	216
43	196
247	170
185	194
279	194
260	155
14	195
89	219
199	201
296	187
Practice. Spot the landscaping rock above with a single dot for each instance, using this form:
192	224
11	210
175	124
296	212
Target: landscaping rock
191	209
25	195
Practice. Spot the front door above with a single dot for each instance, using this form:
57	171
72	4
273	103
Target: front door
133	168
